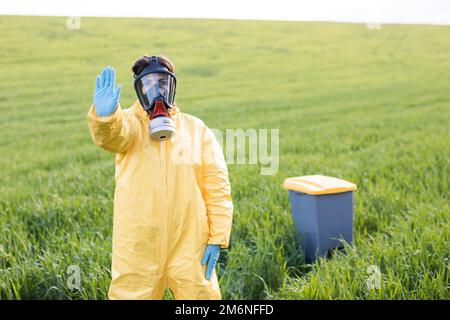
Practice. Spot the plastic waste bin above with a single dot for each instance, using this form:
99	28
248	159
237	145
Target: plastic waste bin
322	212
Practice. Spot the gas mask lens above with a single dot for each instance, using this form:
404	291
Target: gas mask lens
157	85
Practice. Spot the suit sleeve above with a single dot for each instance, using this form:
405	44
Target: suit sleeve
216	191
114	133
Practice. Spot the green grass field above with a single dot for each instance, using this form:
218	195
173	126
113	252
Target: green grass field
369	106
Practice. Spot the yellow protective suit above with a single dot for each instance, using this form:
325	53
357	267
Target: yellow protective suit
172	198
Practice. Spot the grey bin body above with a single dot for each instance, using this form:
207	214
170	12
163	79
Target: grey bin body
322	221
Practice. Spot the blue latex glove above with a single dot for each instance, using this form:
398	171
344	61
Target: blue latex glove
106	97
210	256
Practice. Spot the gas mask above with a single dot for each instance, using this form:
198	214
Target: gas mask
155	87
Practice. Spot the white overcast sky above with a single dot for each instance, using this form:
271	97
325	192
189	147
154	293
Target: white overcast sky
365	11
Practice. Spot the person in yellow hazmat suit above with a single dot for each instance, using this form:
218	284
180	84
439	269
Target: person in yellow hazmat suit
172	202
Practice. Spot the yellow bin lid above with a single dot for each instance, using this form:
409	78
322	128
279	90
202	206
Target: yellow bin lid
318	184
